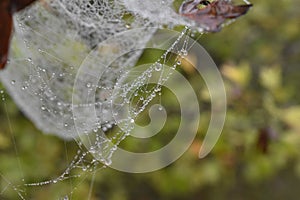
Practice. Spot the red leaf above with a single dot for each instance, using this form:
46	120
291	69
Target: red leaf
214	14
7	8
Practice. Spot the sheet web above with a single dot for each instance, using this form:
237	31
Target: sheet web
56	49
51	41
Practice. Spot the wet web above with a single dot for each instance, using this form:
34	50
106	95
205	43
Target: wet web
56	48
97	154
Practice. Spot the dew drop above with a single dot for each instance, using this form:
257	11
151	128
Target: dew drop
158	66
157	89
108	162
43	107
66	198
184	52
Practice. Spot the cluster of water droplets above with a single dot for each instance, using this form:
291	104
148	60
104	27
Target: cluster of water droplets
55	40
134	84
51	41
102	146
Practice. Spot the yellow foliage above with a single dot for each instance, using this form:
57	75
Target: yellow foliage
291	116
238	74
270	78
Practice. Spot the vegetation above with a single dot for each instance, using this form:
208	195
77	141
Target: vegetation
256	157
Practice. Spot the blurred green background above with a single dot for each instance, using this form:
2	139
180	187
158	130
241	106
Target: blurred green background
256	157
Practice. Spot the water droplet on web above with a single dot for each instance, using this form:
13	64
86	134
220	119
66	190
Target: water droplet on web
184	52
157	89
88	85
158	66
51	76
65	198
108	162
92	150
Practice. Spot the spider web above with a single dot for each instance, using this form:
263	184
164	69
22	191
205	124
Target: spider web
52	39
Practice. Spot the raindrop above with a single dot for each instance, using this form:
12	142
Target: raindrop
184	52
43	107
158	66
